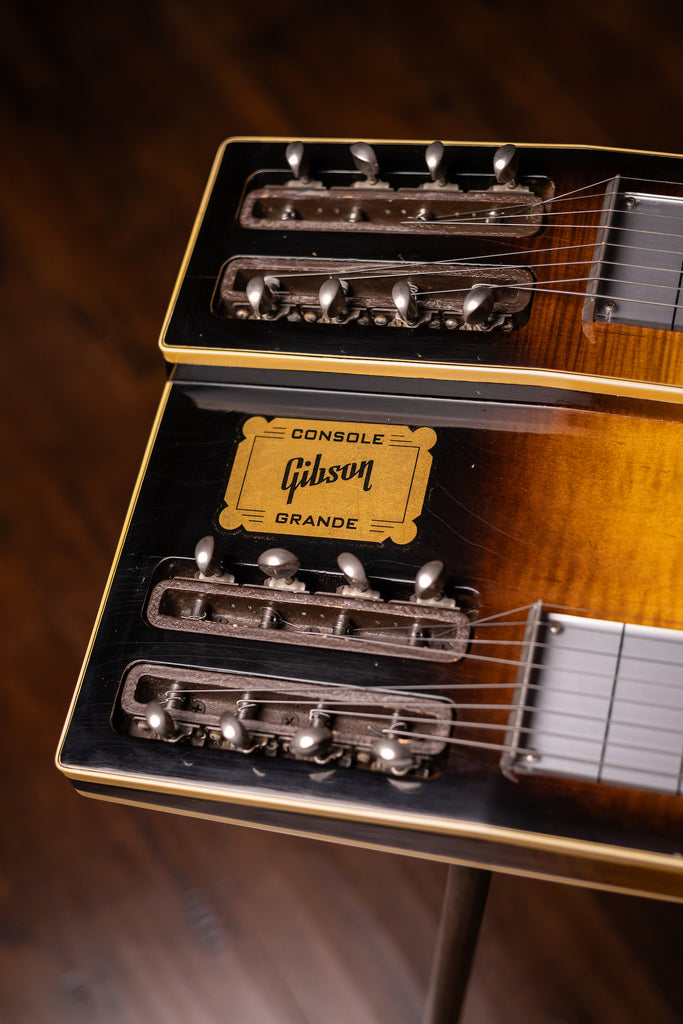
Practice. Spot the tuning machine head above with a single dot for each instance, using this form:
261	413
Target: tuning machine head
261	295
235	731
435	158
332	298
298	163
478	305
312	741
159	720
357	583
208	562
366	162
403	297
506	169
297	159
429	585
280	567
393	755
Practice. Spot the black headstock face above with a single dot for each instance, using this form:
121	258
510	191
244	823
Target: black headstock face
368	486
428	261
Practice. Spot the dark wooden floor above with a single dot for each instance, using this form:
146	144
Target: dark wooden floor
109	116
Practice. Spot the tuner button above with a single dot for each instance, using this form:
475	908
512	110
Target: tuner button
159	720
477	307
280	566
332	297
435	158
260	294
392	753
430	580
506	165
404	300
311	741
206	557
208	563
297	161
366	161
353	570
234	731
357	583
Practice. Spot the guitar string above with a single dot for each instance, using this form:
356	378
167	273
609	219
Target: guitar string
569	196
582	295
537	286
426	720
402	267
438	688
583	227
507	748
496	726
513	285
388	690
566	197
440	633
504	215
532	286
443	632
507	211
394	729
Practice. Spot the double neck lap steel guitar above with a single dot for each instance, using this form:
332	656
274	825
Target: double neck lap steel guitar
404	565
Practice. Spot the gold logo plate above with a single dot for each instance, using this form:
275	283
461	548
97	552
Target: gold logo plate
316	478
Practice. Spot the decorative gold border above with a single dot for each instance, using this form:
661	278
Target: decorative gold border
342	811
465	372
319	808
380	848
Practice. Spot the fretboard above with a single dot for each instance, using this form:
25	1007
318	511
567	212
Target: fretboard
599	700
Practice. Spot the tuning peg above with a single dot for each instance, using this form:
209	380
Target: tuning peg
332	297
429	584
393	754
506	165
366	162
435	158
311	741
208	563
478	305
261	295
403	298
281	567
357	583
234	731
159	720
297	161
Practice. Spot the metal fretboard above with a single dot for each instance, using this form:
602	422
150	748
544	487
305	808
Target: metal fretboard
598	700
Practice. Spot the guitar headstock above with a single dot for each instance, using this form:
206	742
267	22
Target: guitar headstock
398	500
492	264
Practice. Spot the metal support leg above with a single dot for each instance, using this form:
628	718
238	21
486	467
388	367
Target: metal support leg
461	916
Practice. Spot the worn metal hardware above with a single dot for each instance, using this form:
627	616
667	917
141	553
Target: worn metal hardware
476	214
310	619
439	296
599	701
280	567
637	264
357	583
306	721
429	586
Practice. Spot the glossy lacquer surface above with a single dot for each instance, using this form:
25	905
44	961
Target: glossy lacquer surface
558	345
578	506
